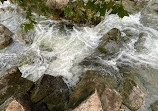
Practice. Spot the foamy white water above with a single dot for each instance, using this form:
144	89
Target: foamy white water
58	50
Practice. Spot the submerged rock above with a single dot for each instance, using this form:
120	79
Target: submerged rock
110	42
25	37
51	92
5	36
149	16
11	83
154	106
132	95
139	45
21	102
110	99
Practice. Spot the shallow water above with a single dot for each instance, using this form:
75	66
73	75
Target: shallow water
58	49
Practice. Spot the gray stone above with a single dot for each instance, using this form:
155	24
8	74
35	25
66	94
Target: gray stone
25	37
11	83
133	6
92	81
110	42
51	91
5	36
132	95
149	16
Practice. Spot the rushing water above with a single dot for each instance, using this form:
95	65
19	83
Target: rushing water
58	49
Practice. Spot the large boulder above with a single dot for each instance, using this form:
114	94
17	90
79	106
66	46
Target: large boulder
20	102
11	83
132	95
51	92
5	36
92	81
149	16
56	4
110	42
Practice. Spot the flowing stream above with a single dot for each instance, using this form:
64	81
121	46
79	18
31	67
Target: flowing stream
57	49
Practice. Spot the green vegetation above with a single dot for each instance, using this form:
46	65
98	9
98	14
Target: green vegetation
82	13
89	13
2	1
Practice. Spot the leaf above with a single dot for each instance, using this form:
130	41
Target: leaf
2	1
118	9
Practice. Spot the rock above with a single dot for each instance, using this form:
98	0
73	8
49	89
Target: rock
25	37
154	106
51	91
56	4
110	99
11	83
132	95
139	45
133	6
21	102
149	16
91	104
110	42
5	36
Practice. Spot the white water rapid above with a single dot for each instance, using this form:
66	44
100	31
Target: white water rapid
58	49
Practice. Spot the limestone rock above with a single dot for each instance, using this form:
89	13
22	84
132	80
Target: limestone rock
51	91
5	36
110	42
91	81
11	83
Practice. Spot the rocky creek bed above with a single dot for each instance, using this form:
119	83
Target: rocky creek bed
58	66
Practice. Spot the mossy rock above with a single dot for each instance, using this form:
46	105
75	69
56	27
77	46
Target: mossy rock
154	106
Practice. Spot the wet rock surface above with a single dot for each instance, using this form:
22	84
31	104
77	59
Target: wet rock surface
132	95
149	16
19	102
5	36
91	81
25	37
134	6
11	83
110	42
51	91
92	103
